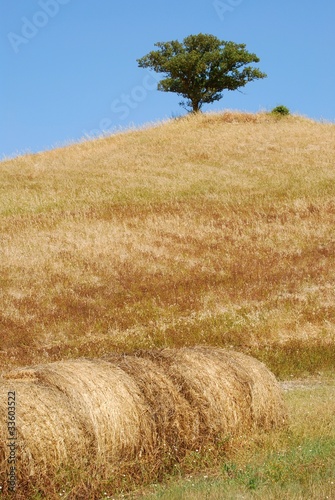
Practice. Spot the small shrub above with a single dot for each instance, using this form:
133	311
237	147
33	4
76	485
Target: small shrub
280	110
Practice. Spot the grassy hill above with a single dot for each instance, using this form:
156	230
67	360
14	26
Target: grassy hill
212	229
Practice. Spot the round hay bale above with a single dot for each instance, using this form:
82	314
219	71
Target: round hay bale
120	408
175	420
231	392
80	408
268	410
48	432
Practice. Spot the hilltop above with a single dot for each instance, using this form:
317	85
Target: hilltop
211	229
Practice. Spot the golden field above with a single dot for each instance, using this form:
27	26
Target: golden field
212	229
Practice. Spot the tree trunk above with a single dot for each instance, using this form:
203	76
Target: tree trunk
196	106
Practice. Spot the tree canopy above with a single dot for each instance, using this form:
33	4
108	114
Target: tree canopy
201	67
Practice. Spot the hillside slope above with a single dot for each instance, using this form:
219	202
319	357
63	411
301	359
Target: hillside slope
212	229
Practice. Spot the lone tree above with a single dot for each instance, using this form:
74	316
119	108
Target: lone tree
201	67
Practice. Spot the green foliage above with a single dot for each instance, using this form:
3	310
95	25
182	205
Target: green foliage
201	67
280	110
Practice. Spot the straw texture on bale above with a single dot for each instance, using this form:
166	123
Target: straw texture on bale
79	410
230	391
125	407
175	421
47	429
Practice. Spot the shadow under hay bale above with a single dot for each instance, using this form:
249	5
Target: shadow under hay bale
136	406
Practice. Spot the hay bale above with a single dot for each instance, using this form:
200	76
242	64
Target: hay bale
47	430
268	410
174	420
79	410
232	392
124	407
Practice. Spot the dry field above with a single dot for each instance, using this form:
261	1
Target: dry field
213	229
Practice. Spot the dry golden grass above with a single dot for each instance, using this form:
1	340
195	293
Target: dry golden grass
151	409
213	229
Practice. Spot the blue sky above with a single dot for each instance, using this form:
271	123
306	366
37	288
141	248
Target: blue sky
68	67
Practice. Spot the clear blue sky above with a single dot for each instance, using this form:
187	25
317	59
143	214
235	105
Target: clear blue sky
68	67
